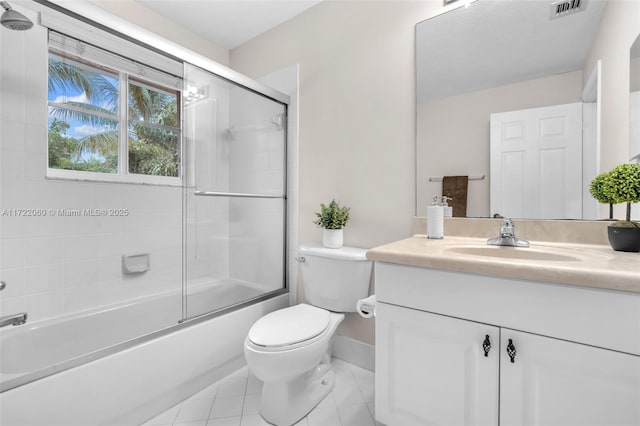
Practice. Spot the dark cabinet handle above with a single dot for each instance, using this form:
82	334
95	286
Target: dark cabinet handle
486	345
511	351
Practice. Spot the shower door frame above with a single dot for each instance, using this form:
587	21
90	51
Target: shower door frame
283	100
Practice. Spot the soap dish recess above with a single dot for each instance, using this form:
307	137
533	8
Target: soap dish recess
137	263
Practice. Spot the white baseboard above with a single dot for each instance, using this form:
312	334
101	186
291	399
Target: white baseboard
354	352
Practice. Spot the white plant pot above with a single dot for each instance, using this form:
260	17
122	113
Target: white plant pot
332	238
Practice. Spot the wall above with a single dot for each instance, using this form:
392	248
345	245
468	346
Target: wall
357	115
460	125
635	74
150	20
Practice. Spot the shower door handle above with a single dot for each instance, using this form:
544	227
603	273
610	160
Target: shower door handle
2	285
236	195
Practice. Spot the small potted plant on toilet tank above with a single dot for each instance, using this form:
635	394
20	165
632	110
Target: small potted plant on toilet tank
622	185
332	218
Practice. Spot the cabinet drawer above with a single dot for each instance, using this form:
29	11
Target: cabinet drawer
603	318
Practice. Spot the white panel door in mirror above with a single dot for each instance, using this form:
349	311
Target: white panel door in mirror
536	162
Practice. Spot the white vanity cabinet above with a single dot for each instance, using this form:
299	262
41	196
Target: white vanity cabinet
431	369
555	382
576	360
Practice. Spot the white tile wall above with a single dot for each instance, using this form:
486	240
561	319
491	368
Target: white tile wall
59	265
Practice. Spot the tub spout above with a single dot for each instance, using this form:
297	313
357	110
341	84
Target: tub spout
15	319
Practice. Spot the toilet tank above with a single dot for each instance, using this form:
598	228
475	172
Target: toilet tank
334	279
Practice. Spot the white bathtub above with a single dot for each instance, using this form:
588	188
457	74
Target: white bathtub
54	344
125	387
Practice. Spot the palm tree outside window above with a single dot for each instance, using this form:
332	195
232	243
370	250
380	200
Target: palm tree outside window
87	118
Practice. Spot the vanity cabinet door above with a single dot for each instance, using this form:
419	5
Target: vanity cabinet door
432	369
555	382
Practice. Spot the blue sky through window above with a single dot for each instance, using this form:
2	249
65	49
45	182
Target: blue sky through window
79	128
81	112
85	96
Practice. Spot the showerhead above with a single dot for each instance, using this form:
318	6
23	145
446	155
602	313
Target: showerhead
14	20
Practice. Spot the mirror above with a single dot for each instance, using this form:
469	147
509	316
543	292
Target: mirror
498	56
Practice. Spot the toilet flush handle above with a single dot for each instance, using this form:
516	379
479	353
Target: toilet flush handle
301	259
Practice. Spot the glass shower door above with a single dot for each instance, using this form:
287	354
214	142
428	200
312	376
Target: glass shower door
234	193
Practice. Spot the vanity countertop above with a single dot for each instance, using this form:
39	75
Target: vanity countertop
587	265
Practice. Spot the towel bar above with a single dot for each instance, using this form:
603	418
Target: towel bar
439	179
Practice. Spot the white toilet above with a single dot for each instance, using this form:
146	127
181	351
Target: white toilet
290	349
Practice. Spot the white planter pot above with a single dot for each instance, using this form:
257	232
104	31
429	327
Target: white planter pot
332	238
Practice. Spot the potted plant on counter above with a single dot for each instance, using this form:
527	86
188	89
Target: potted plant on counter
622	185
596	189
332	218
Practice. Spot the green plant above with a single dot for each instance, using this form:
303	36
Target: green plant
332	216
153	148
622	185
596	189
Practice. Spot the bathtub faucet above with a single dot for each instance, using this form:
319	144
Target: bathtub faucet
15	319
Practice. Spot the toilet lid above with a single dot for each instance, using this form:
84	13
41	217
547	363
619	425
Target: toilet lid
289	326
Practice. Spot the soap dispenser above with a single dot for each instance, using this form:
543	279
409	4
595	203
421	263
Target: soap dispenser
448	210
435	219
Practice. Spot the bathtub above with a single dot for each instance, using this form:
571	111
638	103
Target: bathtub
95	369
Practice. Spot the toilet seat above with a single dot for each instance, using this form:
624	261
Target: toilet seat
289	327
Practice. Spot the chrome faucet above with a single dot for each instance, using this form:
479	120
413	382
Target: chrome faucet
15	319
507	236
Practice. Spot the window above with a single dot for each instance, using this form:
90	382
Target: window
110	118
154	132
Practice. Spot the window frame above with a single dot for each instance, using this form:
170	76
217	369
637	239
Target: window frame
123	119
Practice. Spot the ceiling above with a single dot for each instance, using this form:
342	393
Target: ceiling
228	23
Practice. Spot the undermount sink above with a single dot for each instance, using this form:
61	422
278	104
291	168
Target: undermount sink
513	253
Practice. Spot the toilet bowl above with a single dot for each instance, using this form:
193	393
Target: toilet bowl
295	365
289	350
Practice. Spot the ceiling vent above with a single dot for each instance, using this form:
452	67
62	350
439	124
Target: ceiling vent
567	7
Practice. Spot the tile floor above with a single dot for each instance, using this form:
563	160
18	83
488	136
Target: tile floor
234	401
